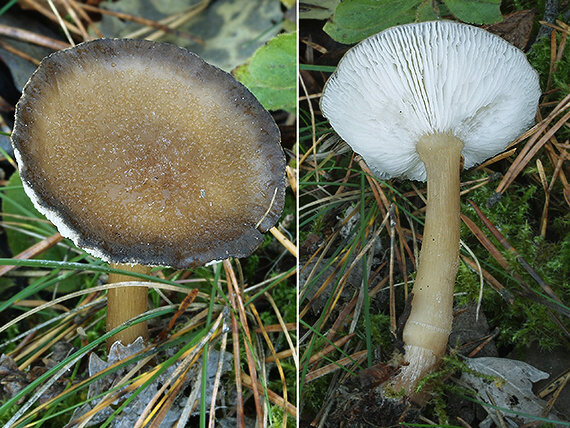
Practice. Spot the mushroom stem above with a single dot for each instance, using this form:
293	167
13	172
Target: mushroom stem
428	327
124	303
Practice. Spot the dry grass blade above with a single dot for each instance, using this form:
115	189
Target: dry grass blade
554	385
556	52
83	292
285	328
530	150
53	337
271	396
349	308
332	367
237	363
486	242
167	401
319	204
217	380
276	359
313	127
558	175
379	194
292	178
284	241
183	308
237	303
36	303
62	23
391	273
273	328
541	134
330	348
177	379
281	355
561	383
500	156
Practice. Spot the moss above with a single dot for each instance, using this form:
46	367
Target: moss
539	57
526	321
470	285
277	418
315	393
380	329
392	394
7	415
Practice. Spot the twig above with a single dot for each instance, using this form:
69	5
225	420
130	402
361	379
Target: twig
31	37
140	20
12	49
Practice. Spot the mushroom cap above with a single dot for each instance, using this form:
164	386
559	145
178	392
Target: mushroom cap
426	78
141	152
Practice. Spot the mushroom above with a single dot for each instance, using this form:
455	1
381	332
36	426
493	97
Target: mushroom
145	155
412	101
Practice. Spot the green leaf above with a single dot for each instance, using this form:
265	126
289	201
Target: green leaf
288	3
271	73
476	11
426	12
317	9
355	20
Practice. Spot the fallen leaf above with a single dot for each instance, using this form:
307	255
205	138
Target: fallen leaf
515	28
511	391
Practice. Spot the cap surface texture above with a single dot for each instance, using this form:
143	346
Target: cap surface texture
141	152
431	77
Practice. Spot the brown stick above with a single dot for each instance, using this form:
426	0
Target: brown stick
31	37
124	303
